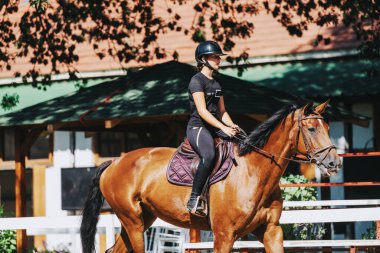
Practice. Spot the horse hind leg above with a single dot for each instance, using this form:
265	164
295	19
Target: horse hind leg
135	232
131	238
122	244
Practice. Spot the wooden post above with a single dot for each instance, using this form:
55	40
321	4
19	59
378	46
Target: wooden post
20	188
195	236
102	237
39	201
378	230
352	249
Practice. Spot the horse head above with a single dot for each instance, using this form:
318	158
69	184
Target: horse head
312	141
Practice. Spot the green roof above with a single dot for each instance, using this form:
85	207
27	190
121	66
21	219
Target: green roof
28	95
316	78
153	91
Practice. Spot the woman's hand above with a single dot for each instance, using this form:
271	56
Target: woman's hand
229	131
236	127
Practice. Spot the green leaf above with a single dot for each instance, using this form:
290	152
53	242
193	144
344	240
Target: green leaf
9	101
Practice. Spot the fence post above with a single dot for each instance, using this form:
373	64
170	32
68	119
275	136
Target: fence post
195	236
378	230
110	232
20	187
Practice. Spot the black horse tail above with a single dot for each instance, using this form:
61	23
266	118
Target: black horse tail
91	209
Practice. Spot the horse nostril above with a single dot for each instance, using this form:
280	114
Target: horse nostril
331	164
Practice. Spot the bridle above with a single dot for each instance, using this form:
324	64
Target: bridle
311	155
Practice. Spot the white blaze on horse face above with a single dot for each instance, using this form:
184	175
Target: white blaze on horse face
331	162
325	139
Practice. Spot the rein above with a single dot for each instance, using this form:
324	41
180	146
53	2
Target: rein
310	156
271	155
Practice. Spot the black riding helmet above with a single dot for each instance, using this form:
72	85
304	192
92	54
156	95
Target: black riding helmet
207	48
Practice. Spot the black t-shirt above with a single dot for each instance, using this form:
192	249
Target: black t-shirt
212	90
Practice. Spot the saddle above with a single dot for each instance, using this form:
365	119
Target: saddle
184	163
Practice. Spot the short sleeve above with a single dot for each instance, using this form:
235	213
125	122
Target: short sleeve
196	85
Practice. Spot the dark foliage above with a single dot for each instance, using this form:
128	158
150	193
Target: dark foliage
48	33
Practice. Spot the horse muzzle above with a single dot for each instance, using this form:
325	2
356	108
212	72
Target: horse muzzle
330	166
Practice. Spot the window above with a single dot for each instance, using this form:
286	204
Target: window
40	148
8	145
133	141
110	144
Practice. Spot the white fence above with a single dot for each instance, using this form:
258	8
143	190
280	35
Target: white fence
289	244
109	223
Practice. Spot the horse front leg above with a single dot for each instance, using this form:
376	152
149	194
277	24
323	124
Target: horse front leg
223	243
271	236
271	233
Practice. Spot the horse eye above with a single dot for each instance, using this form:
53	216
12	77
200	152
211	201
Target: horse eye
311	129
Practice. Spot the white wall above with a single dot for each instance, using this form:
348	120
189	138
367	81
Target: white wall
65	156
84	156
338	139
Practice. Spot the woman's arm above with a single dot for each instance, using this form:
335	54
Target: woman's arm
200	103
226	119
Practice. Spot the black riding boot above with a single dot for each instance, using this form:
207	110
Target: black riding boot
200	179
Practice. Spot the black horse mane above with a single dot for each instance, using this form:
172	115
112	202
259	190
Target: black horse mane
260	135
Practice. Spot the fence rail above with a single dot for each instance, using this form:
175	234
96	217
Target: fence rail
289	244
108	224
351	184
358	202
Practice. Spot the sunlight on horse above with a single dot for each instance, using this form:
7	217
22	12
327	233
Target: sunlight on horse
247	201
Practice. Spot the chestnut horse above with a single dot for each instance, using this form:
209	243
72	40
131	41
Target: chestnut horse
248	200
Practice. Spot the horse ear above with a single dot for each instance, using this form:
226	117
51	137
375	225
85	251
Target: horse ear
309	108
322	107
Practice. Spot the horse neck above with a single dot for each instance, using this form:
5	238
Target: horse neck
278	144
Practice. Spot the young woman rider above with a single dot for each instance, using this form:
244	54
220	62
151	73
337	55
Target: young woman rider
208	117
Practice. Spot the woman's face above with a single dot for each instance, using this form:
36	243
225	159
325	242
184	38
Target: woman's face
214	61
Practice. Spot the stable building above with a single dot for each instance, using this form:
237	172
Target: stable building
64	137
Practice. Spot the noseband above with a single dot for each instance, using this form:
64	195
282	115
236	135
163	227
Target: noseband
311	155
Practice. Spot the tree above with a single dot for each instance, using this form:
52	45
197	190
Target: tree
49	31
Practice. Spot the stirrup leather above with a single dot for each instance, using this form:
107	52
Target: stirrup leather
200	208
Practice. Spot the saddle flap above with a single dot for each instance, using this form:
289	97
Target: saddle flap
186	149
220	154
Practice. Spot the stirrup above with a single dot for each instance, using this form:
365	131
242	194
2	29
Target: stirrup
200	208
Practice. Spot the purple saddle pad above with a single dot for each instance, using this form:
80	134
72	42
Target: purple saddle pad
183	165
